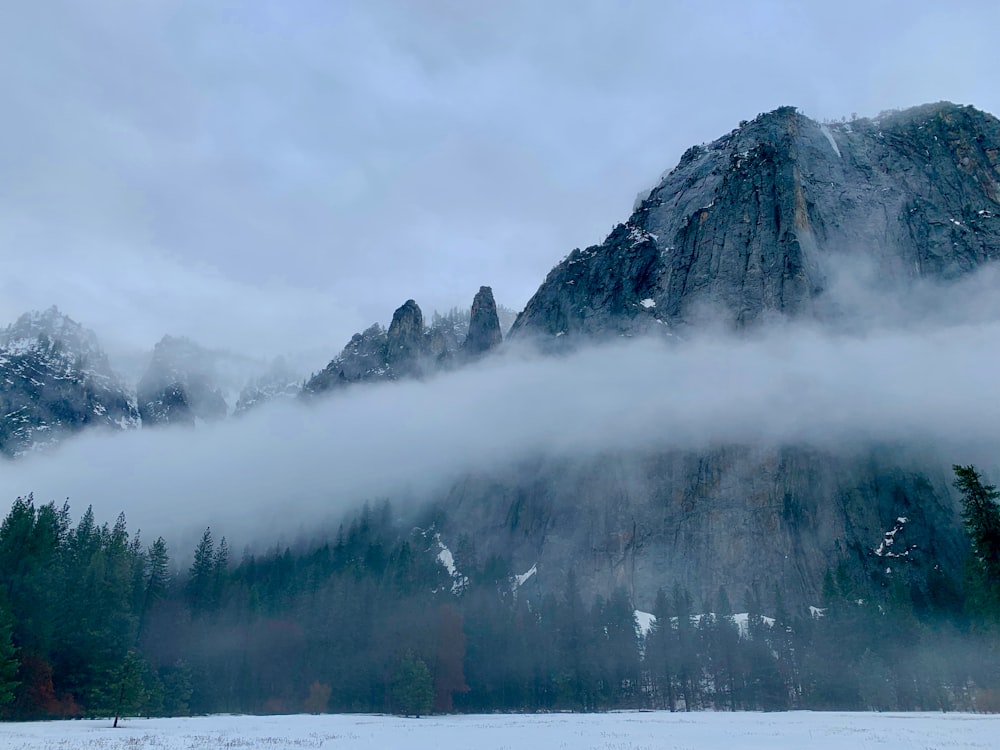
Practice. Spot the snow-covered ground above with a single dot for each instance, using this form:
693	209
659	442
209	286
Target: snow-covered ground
615	731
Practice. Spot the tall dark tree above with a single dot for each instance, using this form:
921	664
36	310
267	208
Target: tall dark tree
981	516
9	663
202	576
661	652
413	687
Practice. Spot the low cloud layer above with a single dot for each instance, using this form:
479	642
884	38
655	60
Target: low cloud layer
928	382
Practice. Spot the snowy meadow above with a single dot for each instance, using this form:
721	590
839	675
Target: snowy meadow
612	731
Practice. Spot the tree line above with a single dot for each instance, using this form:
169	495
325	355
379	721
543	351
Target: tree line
94	622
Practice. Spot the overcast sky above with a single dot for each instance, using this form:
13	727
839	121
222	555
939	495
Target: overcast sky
272	176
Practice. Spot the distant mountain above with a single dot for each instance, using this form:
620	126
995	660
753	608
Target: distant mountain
180	385
56	379
279	382
185	382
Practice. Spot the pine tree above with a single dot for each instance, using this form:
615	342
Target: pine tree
201	583
661	650
8	659
131	687
981	516
412	687
157	573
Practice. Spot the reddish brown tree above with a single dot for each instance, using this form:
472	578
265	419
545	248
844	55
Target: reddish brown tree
449	671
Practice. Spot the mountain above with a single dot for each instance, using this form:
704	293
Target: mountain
279	382
409	349
751	227
185	382
56	379
180	384
751	224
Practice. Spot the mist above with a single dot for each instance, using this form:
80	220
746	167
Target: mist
925	379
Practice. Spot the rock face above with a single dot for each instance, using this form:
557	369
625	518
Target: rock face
484	324
749	225
734	517
56	379
404	341
743	229
409	349
180	385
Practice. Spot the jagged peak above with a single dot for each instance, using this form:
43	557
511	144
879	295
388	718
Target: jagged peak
50	320
49	327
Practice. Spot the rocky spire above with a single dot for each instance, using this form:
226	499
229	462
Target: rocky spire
484	324
404	340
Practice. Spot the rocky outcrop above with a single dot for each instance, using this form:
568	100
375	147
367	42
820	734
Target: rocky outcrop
484	324
180	385
404	341
55	379
750	225
410	350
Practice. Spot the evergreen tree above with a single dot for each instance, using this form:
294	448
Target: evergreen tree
177	689
981	516
413	687
661	651
157	581
9	663
573	645
200	587
131	687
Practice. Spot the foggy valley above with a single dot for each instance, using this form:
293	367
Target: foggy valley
719	432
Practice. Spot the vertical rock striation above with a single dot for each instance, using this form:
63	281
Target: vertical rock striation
750	225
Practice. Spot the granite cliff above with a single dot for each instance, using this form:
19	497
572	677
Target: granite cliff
750	225
744	230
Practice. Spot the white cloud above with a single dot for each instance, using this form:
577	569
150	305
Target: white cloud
931	385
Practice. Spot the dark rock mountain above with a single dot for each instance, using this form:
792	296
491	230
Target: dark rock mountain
748	227
749	224
484	324
404	341
55	379
408	349
180	384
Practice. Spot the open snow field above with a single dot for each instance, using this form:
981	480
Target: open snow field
616	731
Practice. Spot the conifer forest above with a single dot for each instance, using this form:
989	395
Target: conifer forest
97	621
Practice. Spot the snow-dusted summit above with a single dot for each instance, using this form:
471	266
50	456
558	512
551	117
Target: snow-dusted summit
55	378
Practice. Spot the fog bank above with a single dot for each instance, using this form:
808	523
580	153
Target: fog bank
288	466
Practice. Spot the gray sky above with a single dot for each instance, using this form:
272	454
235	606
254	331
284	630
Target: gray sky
272	176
